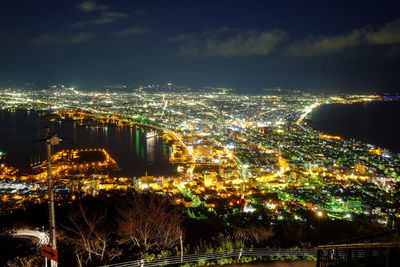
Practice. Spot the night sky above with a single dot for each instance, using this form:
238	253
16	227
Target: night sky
317	45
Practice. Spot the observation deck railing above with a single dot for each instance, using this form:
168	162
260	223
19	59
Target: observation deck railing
235	254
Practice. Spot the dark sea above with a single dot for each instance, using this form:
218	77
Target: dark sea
376	123
133	152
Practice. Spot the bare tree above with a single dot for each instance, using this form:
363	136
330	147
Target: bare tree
91	235
148	221
255	234
29	261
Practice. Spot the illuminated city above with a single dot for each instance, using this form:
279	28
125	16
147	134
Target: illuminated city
231	152
192	133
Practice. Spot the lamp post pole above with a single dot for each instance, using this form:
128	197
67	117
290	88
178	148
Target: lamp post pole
51	140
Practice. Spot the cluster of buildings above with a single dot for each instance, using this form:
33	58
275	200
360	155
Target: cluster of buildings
233	153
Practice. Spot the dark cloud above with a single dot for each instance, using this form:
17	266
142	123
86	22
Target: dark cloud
388	34
131	31
323	45
90	6
316	46
227	42
62	39
103	12
105	18
109	17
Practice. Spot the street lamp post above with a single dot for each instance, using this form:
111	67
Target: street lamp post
51	140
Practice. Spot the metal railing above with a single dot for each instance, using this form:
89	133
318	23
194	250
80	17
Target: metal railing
236	253
359	254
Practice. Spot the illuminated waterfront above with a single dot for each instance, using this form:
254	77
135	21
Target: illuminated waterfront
232	157
200	127
231	153
374	123
128	146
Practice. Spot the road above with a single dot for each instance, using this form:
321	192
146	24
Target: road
41	238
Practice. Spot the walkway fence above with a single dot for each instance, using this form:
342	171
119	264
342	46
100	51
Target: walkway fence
380	249
362	254
203	257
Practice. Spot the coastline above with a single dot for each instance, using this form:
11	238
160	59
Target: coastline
329	126
135	145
